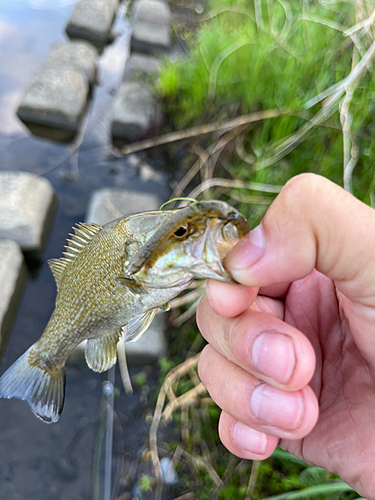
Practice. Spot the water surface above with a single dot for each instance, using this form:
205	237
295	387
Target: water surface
40	461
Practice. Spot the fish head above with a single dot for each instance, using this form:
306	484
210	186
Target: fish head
184	244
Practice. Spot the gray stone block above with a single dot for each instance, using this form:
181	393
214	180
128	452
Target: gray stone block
139	66
137	114
27	205
55	100
106	205
12	280
92	20
151	27
151	346
78	56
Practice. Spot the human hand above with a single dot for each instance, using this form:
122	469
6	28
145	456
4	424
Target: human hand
295	364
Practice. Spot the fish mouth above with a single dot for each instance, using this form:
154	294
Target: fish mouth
219	238
217	227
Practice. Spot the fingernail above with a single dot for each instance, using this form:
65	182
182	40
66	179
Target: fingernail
273	355
247	251
249	439
277	408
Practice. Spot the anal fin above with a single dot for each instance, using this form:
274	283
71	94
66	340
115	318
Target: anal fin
101	353
138	325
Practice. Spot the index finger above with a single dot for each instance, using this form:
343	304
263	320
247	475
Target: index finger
261	344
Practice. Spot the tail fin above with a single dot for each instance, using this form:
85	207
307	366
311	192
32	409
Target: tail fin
42	391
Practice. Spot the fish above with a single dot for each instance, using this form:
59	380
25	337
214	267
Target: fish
111	281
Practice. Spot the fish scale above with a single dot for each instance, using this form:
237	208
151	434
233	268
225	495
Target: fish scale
114	276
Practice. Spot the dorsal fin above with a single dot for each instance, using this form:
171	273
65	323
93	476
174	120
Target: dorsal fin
57	267
83	233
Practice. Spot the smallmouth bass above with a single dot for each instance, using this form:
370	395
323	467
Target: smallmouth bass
117	276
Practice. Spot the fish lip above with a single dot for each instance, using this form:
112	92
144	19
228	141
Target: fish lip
216	237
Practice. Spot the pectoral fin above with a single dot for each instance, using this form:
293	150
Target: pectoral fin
138	325
101	353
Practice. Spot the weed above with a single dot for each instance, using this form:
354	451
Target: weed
140	380
263	55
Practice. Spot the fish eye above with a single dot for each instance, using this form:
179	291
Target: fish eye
181	232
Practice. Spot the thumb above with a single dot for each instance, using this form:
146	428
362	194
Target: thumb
313	223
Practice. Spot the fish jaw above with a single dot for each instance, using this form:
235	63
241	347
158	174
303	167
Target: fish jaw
199	257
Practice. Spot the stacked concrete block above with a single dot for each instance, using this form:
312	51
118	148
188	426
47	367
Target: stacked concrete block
106	205
13	277
151	27
139	66
92	20
109	204
137	114
27	205
55	100
78	56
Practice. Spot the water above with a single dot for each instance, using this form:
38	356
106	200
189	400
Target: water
38	461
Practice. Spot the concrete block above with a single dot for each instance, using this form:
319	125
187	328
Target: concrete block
13	277
151	346
54	102
151	27
106	205
27	205
79	56
137	114
92	20
139	66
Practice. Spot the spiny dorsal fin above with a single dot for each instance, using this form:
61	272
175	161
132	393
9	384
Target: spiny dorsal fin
83	233
57	267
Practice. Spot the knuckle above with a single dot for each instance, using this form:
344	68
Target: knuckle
304	181
298	198
302	189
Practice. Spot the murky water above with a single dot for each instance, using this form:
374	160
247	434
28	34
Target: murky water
38	461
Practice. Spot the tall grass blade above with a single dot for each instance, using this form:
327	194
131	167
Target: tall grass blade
311	491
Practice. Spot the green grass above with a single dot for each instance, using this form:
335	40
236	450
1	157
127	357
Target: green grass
280	54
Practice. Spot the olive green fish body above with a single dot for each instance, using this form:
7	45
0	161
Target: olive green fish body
115	276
